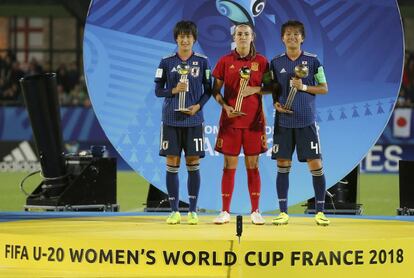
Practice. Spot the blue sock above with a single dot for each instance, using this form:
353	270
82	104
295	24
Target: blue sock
319	185
172	186
193	185
282	187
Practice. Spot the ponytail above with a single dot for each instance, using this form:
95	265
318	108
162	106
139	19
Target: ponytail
253	51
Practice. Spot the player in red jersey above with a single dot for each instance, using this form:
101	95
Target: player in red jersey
245	128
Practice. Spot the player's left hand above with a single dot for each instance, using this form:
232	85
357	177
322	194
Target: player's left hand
297	83
192	109
249	90
279	108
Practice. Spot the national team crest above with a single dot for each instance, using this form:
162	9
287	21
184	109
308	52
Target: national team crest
255	66
195	71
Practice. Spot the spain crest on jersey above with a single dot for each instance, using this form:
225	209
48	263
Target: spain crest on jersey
255	66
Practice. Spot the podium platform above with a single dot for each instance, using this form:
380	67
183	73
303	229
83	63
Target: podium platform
67	244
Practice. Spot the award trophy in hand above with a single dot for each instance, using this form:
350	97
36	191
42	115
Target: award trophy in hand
183	70
244	80
301	71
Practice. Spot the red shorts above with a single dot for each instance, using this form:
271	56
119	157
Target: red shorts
230	140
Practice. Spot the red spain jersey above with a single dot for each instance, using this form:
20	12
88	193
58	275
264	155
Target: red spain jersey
227	70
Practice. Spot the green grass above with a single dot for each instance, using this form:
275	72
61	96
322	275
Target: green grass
132	191
377	193
11	198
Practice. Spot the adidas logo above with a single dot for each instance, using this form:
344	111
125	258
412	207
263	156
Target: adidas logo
23	152
21	158
283	70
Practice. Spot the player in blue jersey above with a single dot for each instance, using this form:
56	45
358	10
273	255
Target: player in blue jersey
296	127
182	116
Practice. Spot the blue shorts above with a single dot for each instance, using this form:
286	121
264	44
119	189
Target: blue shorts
174	139
305	140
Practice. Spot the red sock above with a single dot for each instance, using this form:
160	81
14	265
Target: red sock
253	180
227	187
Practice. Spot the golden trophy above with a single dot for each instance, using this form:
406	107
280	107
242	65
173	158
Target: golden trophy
301	71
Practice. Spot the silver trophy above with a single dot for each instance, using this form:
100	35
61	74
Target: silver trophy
183	70
301	71
244	80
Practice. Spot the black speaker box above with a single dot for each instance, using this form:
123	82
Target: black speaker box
91	186
344	196
406	184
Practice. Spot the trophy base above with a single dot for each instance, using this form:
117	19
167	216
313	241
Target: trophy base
182	110
238	113
288	110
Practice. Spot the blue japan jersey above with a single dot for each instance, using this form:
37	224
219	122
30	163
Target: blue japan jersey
199	80
282	69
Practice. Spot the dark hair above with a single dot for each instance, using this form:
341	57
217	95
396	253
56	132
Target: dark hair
252	51
294	24
185	27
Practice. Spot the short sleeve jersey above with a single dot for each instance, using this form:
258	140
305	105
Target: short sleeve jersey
282	69
167	77
228	70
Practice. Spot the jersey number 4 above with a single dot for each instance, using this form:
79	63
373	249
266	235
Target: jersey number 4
315	146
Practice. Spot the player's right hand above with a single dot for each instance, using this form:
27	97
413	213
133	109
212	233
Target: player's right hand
181	87
297	83
231	113
279	108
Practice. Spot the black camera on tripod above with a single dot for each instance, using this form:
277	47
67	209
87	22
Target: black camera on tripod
78	182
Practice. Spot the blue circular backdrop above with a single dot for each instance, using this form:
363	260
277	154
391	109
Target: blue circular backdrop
359	42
